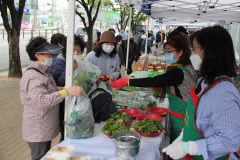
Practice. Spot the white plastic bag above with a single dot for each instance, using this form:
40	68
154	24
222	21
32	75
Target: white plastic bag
80	121
85	75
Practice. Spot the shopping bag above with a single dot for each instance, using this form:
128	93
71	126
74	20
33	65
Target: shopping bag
80	122
85	75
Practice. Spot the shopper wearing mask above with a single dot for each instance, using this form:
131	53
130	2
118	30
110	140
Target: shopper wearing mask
123	34
178	80
40	97
105	56
211	125
58	70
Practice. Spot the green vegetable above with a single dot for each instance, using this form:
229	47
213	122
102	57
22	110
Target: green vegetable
149	126
132	89
112	127
117	123
121	117
156	93
83	79
152	104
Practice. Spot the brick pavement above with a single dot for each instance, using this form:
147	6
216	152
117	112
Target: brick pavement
12	146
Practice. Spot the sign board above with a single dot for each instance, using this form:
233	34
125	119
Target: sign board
108	16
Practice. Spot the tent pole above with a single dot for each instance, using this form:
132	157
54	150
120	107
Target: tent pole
69	55
129	32
146	44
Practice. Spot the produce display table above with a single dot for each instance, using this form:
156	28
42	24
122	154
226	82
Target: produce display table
104	149
100	147
155	140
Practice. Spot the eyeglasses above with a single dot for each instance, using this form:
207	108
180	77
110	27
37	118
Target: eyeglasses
194	48
165	51
78	51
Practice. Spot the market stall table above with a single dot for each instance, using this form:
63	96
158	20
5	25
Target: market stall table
100	147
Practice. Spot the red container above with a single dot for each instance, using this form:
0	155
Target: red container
129	124
158	111
133	113
149	135
108	135
150	116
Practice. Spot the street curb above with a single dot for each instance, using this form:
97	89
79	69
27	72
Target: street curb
5	73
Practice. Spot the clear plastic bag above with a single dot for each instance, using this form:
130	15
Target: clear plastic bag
80	122
85	75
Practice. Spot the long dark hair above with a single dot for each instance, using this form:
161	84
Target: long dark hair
179	42
98	50
219	58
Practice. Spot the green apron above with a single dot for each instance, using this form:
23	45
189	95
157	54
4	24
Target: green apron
177	108
191	132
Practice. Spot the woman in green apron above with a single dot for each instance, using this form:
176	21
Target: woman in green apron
211	124
178	80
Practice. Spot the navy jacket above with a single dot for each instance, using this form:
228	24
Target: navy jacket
58	69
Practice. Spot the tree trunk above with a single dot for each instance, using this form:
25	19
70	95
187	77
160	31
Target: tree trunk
15	69
90	39
34	15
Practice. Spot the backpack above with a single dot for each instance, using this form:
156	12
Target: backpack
102	105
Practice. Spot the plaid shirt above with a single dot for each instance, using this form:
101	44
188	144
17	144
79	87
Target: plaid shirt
40	97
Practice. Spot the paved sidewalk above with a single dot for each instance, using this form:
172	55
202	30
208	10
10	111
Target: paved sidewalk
12	146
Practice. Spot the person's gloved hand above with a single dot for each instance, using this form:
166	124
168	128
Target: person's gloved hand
179	138
110	78
102	78
156	88
177	150
120	83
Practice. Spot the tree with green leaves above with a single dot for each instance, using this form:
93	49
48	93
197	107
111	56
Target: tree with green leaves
91	8
124	10
13	26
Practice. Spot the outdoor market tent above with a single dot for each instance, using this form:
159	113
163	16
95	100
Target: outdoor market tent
190	11
170	12
194	12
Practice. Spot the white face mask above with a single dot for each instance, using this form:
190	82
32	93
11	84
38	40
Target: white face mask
48	61
77	58
108	48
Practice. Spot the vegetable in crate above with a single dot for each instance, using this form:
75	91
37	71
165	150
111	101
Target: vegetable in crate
112	127
149	126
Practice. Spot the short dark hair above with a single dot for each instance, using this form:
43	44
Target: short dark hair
142	31
118	38
181	29
113	30
32	45
79	41
98	34
219	58
57	39
98	50
179	42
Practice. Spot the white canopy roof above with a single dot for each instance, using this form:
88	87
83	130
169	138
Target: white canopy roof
192	11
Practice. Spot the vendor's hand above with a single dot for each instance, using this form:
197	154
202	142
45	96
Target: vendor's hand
75	64
110	78
156	88
177	150
75	91
120	83
102	78
60	88
179	138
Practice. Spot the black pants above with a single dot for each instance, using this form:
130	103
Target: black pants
61	120
39	149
